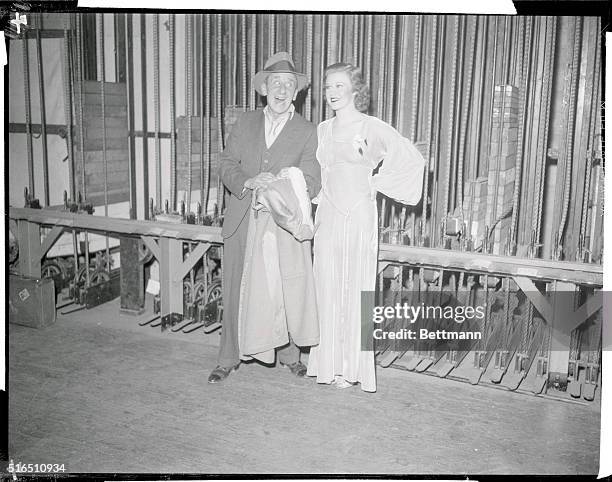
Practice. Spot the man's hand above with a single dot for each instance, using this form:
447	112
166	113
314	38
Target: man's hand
260	181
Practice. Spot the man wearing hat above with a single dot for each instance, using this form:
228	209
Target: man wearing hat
261	143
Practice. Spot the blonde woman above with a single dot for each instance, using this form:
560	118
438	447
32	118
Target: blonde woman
350	146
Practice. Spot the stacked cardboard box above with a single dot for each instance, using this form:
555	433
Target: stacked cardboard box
475	206
502	162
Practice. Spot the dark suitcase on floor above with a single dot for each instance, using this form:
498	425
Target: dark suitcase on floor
31	301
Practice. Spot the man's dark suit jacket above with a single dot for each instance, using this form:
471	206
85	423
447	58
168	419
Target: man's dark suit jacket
246	155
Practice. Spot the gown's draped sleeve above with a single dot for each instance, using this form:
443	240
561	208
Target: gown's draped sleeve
400	176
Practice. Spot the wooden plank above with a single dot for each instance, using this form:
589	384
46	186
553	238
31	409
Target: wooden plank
579	273
118	225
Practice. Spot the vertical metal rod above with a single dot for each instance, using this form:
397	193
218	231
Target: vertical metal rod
451	117
367	69
271	34
355	40
145	123
433	228
129	87
309	41
207	53
550	55
493	77
479	127
456	126
188	102
200	58
173	165
515	53
102	74
81	77
526	219
332	39
381	67
432	72
319	61
233	54
158	169
569	151
219	100
391	93
415	73
525	57
243	60
68	101
252	98
467	100
28	114
340	40
43	119
402	75
593	135
506	52
290	34
326	41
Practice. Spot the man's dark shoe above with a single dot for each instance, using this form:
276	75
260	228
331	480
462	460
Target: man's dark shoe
297	368
220	373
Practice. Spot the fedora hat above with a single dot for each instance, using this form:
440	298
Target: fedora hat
280	62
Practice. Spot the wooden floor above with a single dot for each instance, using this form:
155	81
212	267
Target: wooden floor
98	393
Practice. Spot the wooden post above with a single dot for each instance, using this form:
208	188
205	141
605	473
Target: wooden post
171	289
132	277
29	249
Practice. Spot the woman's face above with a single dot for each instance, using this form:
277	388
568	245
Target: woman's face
339	91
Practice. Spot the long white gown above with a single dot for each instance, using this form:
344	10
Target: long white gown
346	237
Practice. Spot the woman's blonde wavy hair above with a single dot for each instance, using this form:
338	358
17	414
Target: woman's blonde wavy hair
362	99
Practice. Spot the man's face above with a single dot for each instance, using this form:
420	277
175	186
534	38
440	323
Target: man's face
280	91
